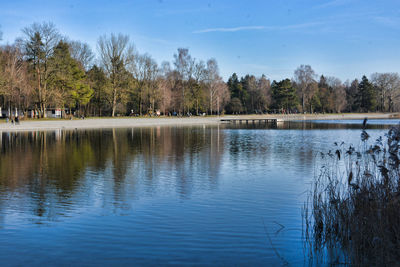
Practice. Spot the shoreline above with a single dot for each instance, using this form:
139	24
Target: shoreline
127	122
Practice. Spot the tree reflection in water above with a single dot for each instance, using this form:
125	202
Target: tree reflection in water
53	171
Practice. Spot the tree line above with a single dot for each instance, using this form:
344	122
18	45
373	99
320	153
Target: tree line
308	93
44	70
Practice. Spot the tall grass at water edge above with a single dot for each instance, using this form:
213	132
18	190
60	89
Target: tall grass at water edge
352	213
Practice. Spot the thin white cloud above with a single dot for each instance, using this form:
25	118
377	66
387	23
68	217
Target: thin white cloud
255	28
388	21
297	26
157	40
333	3
234	29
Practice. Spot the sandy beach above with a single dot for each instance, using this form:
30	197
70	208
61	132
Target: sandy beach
98	123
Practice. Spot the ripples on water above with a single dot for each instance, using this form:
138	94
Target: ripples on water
202	195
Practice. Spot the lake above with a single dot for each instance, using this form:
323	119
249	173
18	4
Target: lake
198	195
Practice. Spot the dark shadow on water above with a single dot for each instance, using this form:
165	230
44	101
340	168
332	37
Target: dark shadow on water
310	125
52	167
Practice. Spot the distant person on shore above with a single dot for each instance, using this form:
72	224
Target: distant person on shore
17	120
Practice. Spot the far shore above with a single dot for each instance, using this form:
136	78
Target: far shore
128	122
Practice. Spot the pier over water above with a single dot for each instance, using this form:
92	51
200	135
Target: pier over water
253	120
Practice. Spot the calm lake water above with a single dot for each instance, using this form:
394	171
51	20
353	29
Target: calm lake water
199	195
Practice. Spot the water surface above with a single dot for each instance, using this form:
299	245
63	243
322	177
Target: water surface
199	195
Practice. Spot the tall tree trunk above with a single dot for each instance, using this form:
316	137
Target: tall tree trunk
164	103
211	100
44	91
40	92
114	104
183	100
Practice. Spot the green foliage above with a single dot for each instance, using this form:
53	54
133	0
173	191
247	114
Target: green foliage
38	45
101	89
34	50
253	94
235	87
198	100
324	98
237	91
235	106
315	102
367	96
284	94
68	79
351	96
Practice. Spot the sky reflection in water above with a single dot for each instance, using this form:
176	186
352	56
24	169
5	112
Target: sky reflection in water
161	195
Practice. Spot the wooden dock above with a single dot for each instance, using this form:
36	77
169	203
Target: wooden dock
253	121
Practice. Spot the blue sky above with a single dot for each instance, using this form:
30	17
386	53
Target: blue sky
342	38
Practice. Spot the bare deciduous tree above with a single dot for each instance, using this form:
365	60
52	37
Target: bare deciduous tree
165	83
151	87
304	77
116	55
82	53
388	86
198	86
145	72
263	93
39	42
15	86
217	88
184	66
338	92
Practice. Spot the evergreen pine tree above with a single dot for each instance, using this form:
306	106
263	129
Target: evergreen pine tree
366	96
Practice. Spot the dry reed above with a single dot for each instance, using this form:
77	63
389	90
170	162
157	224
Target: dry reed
352	215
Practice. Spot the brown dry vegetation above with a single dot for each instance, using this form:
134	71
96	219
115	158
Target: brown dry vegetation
352	214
